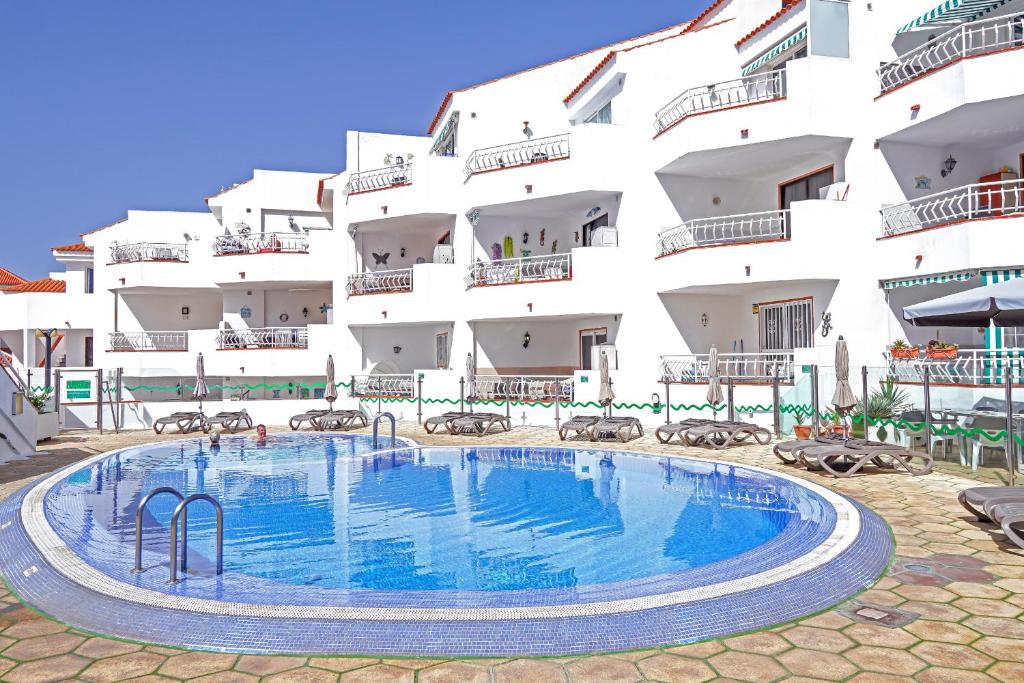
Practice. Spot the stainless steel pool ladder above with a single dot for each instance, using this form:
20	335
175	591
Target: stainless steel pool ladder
376	425
179	512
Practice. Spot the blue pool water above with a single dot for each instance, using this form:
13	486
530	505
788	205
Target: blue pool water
314	512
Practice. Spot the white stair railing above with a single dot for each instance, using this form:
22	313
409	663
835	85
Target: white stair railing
385	178
264	338
397	386
380	282
970	367
135	252
762	87
149	341
517	270
970	202
521	387
967	40
261	243
741	367
516	154
747	227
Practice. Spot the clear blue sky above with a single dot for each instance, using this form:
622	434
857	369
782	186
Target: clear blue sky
106	106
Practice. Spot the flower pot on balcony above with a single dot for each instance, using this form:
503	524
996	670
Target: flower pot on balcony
906	353
802	431
942	354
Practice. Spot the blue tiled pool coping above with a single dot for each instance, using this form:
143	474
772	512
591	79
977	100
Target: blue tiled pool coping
625	620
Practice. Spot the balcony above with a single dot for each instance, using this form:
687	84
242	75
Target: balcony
149	341
968	203
746	228
740	92
514	271
974	39
387	178
516	154
140	252
523	388
380	282
261	243
383	386
742	368
263	338
970	368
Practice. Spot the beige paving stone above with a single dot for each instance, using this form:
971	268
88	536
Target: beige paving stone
6	665
603	670
414	663
996	626
758	643
5	642
941	675
43	646
167	651
47	670
699	650
1009	571
747	667
1008	672
925	593
378	673
123	666
951	655
833	620
34	627
884	660
1006	585
340	664
266	665
938	611
307	674
942	631
97	648
825	665
457	672
873	634
979	590
672	668
537	670
818	639
151	678
885	598
988	608
227	677
195	664
1008	649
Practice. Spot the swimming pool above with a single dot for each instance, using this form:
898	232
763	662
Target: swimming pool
456	550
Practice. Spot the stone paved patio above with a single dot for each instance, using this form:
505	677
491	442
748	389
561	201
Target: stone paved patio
949	609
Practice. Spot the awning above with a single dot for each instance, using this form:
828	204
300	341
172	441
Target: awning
785	45
938	279
1002	303
954	12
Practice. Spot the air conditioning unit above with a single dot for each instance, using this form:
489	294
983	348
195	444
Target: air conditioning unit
595	356
444	253
604	237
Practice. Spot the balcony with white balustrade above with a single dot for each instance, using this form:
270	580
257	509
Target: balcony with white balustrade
741	368
149	341
245	255
147	252
967	368
745	228
975	202
952	79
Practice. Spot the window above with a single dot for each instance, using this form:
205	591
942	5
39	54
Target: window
786	325
805	187
589	228
588	340
445	146
441	352
88	352
89	280
1013	337
602	115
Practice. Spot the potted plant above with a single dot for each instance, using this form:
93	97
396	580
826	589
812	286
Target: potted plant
901	350
940	350
883	403
800	430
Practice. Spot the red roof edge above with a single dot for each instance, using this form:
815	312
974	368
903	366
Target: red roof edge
786	6
79	247
7	278
226	190
45	285
440	111
593	72
104	227
704	15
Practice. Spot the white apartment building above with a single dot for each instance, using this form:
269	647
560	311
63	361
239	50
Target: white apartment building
761	179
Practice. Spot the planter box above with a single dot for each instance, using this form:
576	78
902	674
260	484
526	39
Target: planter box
905	354
941	354
48	427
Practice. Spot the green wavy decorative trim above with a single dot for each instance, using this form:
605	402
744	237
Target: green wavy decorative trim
262	385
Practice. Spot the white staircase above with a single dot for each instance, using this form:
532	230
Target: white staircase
18	431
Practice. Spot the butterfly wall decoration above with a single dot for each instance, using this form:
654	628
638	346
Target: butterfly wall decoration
381	259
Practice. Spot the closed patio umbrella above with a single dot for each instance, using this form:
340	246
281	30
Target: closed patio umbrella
605	396
200	391
714	395
470	378
330	390
843	399
1002	302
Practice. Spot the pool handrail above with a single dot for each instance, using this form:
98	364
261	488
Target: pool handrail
138	521
182	512
376	425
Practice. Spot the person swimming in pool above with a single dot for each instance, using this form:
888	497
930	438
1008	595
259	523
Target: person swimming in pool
261	434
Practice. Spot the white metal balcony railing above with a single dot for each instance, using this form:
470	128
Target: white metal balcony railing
970	202
149	341
970	367
380	282
136	252
741	367
516	270
388	386
762	87
264	338
521	388
516	154
764	226
262	243
967	40
385	178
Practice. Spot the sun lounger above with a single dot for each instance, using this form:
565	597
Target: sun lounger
725	434
578	424
185	422
788	451
479	424
621	428
846	459
431	424
340	419
665	432
307	416
976	499
230	420
1010	517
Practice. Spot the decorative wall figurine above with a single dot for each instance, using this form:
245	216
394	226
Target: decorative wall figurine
922	182
401	252
495	251
381	259
577	237
305	312
554	246
508	246
526	237
542	231
283	317
245	312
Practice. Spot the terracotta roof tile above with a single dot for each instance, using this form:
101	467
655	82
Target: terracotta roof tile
104	227
704	15
44	285
787	5
79	247
9	279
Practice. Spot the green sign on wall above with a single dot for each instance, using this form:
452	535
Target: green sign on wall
78	389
